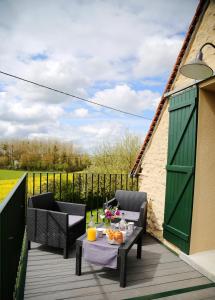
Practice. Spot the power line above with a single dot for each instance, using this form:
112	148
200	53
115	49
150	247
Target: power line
71	95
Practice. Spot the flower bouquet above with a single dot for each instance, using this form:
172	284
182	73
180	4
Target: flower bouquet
111	213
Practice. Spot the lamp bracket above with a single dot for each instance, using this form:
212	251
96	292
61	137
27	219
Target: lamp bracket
206	44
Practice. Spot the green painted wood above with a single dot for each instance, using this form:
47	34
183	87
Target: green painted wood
180	168
174	292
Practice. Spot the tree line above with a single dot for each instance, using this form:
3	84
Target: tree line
42	155
50	155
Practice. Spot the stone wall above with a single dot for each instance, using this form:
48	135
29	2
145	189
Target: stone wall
204	33
153	176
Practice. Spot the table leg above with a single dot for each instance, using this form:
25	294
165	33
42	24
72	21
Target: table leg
78	259
139	247
123	268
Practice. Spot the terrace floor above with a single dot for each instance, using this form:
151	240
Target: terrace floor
159	273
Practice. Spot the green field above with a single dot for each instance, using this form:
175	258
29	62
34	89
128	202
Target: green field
10	174
8	178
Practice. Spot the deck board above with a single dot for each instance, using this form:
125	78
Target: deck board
49	276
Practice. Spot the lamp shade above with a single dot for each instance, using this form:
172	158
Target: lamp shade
196	69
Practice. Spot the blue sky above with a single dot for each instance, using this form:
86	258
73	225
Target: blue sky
117	52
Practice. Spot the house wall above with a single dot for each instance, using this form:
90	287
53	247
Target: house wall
203	222
153	176
204	33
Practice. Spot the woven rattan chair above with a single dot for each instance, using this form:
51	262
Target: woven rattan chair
54	223
133	204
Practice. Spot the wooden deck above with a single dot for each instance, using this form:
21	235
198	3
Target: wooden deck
49	276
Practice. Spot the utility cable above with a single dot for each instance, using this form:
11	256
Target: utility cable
71	95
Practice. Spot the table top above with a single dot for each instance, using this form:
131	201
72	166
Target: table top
131	239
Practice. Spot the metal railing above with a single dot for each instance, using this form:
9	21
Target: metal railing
91	189
21	274
12	226
88	188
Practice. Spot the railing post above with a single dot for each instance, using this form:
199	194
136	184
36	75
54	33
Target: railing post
67	181
115	182
104	196
33	183
86	189
110	186
47	182
79	186
92	199
98	190
73	186
40	183
54	183
137	182
60	185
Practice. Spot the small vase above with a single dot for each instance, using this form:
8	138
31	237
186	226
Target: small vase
107	222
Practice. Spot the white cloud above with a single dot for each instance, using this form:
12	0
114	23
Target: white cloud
87	46
156	56
125	98
81	112
18	111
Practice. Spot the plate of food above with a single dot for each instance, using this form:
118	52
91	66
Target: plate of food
115	237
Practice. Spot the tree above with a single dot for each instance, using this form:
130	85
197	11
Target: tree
48	155
116	158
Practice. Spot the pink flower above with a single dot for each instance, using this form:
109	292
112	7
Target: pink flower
111	213
108	214
117	212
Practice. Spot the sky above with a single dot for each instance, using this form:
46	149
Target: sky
115	52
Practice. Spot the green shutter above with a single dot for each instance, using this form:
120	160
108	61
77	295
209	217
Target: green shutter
180	168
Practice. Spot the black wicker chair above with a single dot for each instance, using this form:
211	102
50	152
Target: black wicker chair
132	204
54	223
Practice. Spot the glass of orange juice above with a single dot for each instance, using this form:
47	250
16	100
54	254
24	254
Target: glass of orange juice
91	230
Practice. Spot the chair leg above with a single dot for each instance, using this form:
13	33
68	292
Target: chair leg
29	245
65	252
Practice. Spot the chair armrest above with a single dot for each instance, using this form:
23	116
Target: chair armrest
72	208
41	223
143	206
112	202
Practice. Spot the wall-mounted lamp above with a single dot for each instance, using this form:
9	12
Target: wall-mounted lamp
197	68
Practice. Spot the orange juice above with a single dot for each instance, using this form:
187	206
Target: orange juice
91	234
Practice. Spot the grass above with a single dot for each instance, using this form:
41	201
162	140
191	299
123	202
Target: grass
10	174
8	178
94	213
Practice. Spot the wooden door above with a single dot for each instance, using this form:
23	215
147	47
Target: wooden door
180	168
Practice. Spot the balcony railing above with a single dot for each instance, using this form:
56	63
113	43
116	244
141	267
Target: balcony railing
91	189
12	226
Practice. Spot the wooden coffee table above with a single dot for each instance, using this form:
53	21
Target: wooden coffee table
135	237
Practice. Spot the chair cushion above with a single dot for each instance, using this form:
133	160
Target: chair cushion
130	200
74	220
131	216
